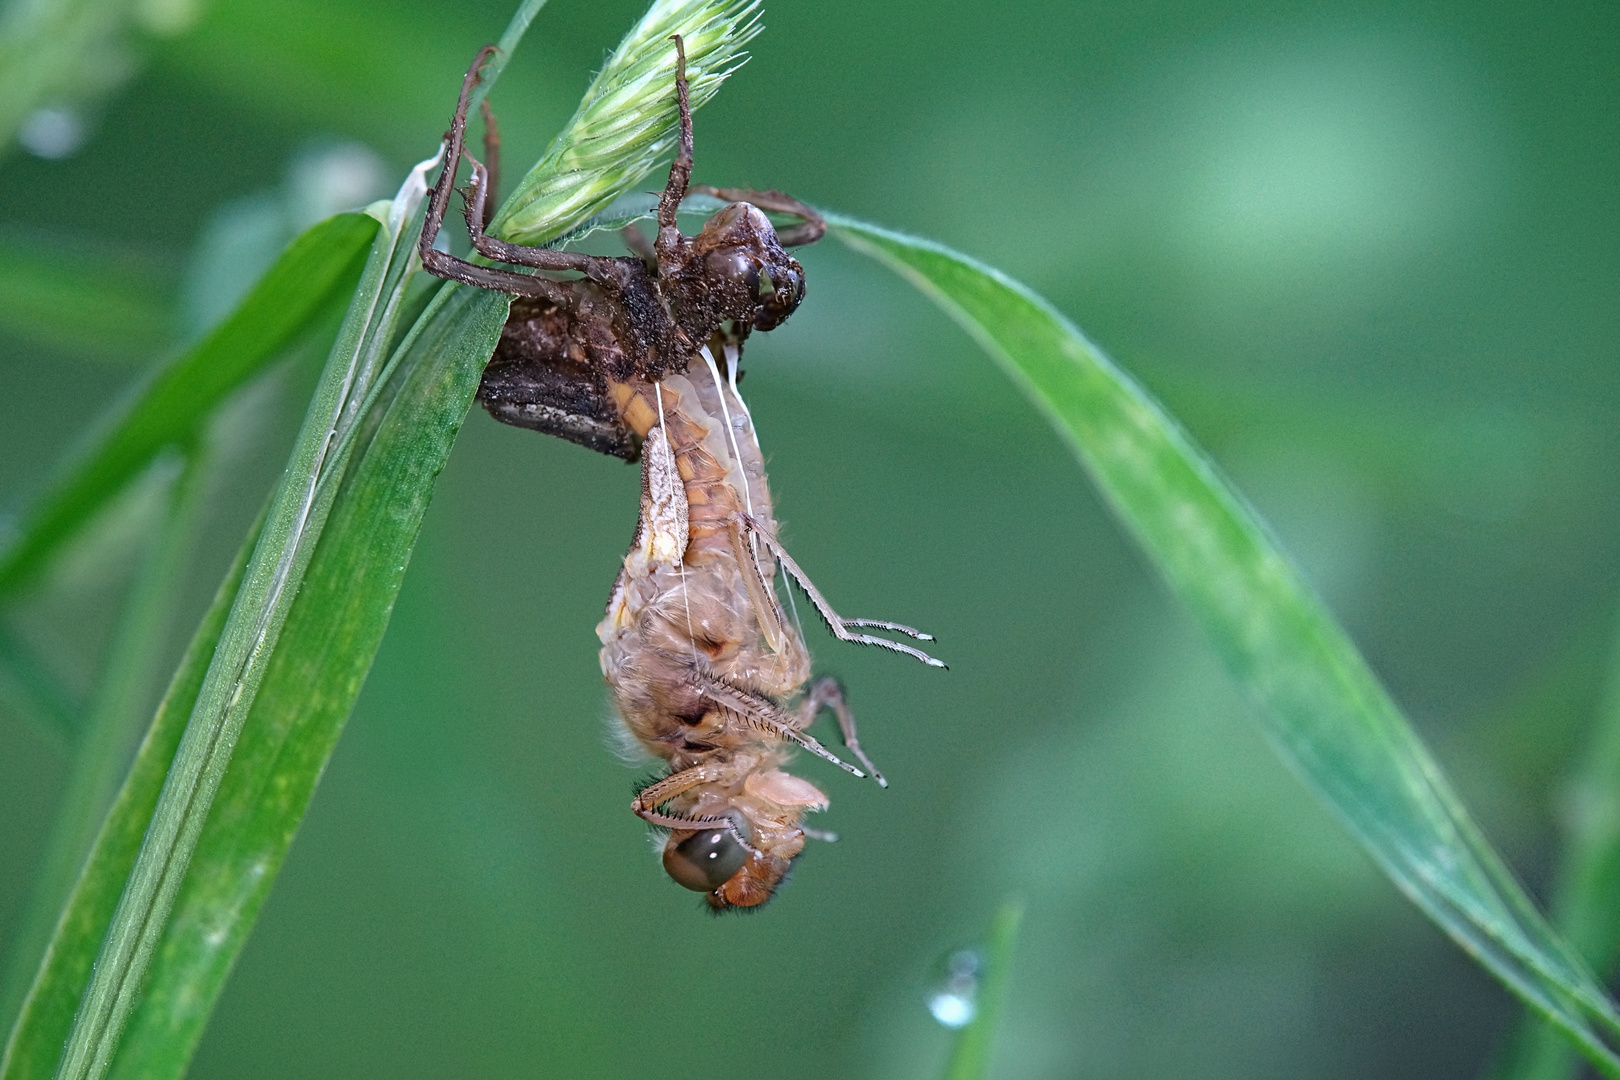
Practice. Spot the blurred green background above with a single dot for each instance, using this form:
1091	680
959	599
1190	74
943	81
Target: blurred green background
1367	252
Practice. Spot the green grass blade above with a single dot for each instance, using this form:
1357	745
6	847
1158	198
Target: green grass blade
1586	890
118	714
320	266
628	119
326	648
35	1043
1322	708
970	1056
293	525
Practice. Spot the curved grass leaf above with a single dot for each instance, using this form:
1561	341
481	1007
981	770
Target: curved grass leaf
327	645
1586	889
42	1026
118	714
293	524
1322	707
317	269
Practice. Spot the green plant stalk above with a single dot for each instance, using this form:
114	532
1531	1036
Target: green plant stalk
628	119
292	526
1321	707
515	29
35	1043
319	267
1586	890
114	722
327	646
970	1056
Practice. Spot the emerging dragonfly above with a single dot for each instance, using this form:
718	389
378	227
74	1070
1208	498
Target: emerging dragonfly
639	356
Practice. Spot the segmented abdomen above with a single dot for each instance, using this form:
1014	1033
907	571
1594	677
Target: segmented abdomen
667	618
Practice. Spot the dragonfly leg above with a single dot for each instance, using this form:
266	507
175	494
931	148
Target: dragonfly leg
839	625
442	264
602	269
811	226
760	594
680	170
828	693
647	801
758	713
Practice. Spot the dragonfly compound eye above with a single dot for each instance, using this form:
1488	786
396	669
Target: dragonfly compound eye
704	861
780	289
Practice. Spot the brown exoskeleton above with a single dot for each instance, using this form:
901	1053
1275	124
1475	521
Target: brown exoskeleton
638	356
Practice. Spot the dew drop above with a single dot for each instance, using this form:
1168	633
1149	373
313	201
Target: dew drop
953	1000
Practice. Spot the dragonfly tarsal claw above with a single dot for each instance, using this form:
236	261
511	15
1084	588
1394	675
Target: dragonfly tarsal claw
893	627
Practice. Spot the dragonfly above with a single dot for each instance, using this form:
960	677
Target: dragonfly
639	356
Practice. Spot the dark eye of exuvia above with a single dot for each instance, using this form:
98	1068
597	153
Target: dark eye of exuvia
704	861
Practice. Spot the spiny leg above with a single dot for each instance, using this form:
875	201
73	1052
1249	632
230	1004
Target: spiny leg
828	693
445	265
670	242
835	622
454	140
645	804
596	267
761	714
811	228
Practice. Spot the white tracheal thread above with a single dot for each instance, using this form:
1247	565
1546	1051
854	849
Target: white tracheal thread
733	362
736	452
731	434
680	564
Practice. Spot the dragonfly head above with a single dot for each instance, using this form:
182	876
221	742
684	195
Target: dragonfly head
757	282
719	864
752	885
